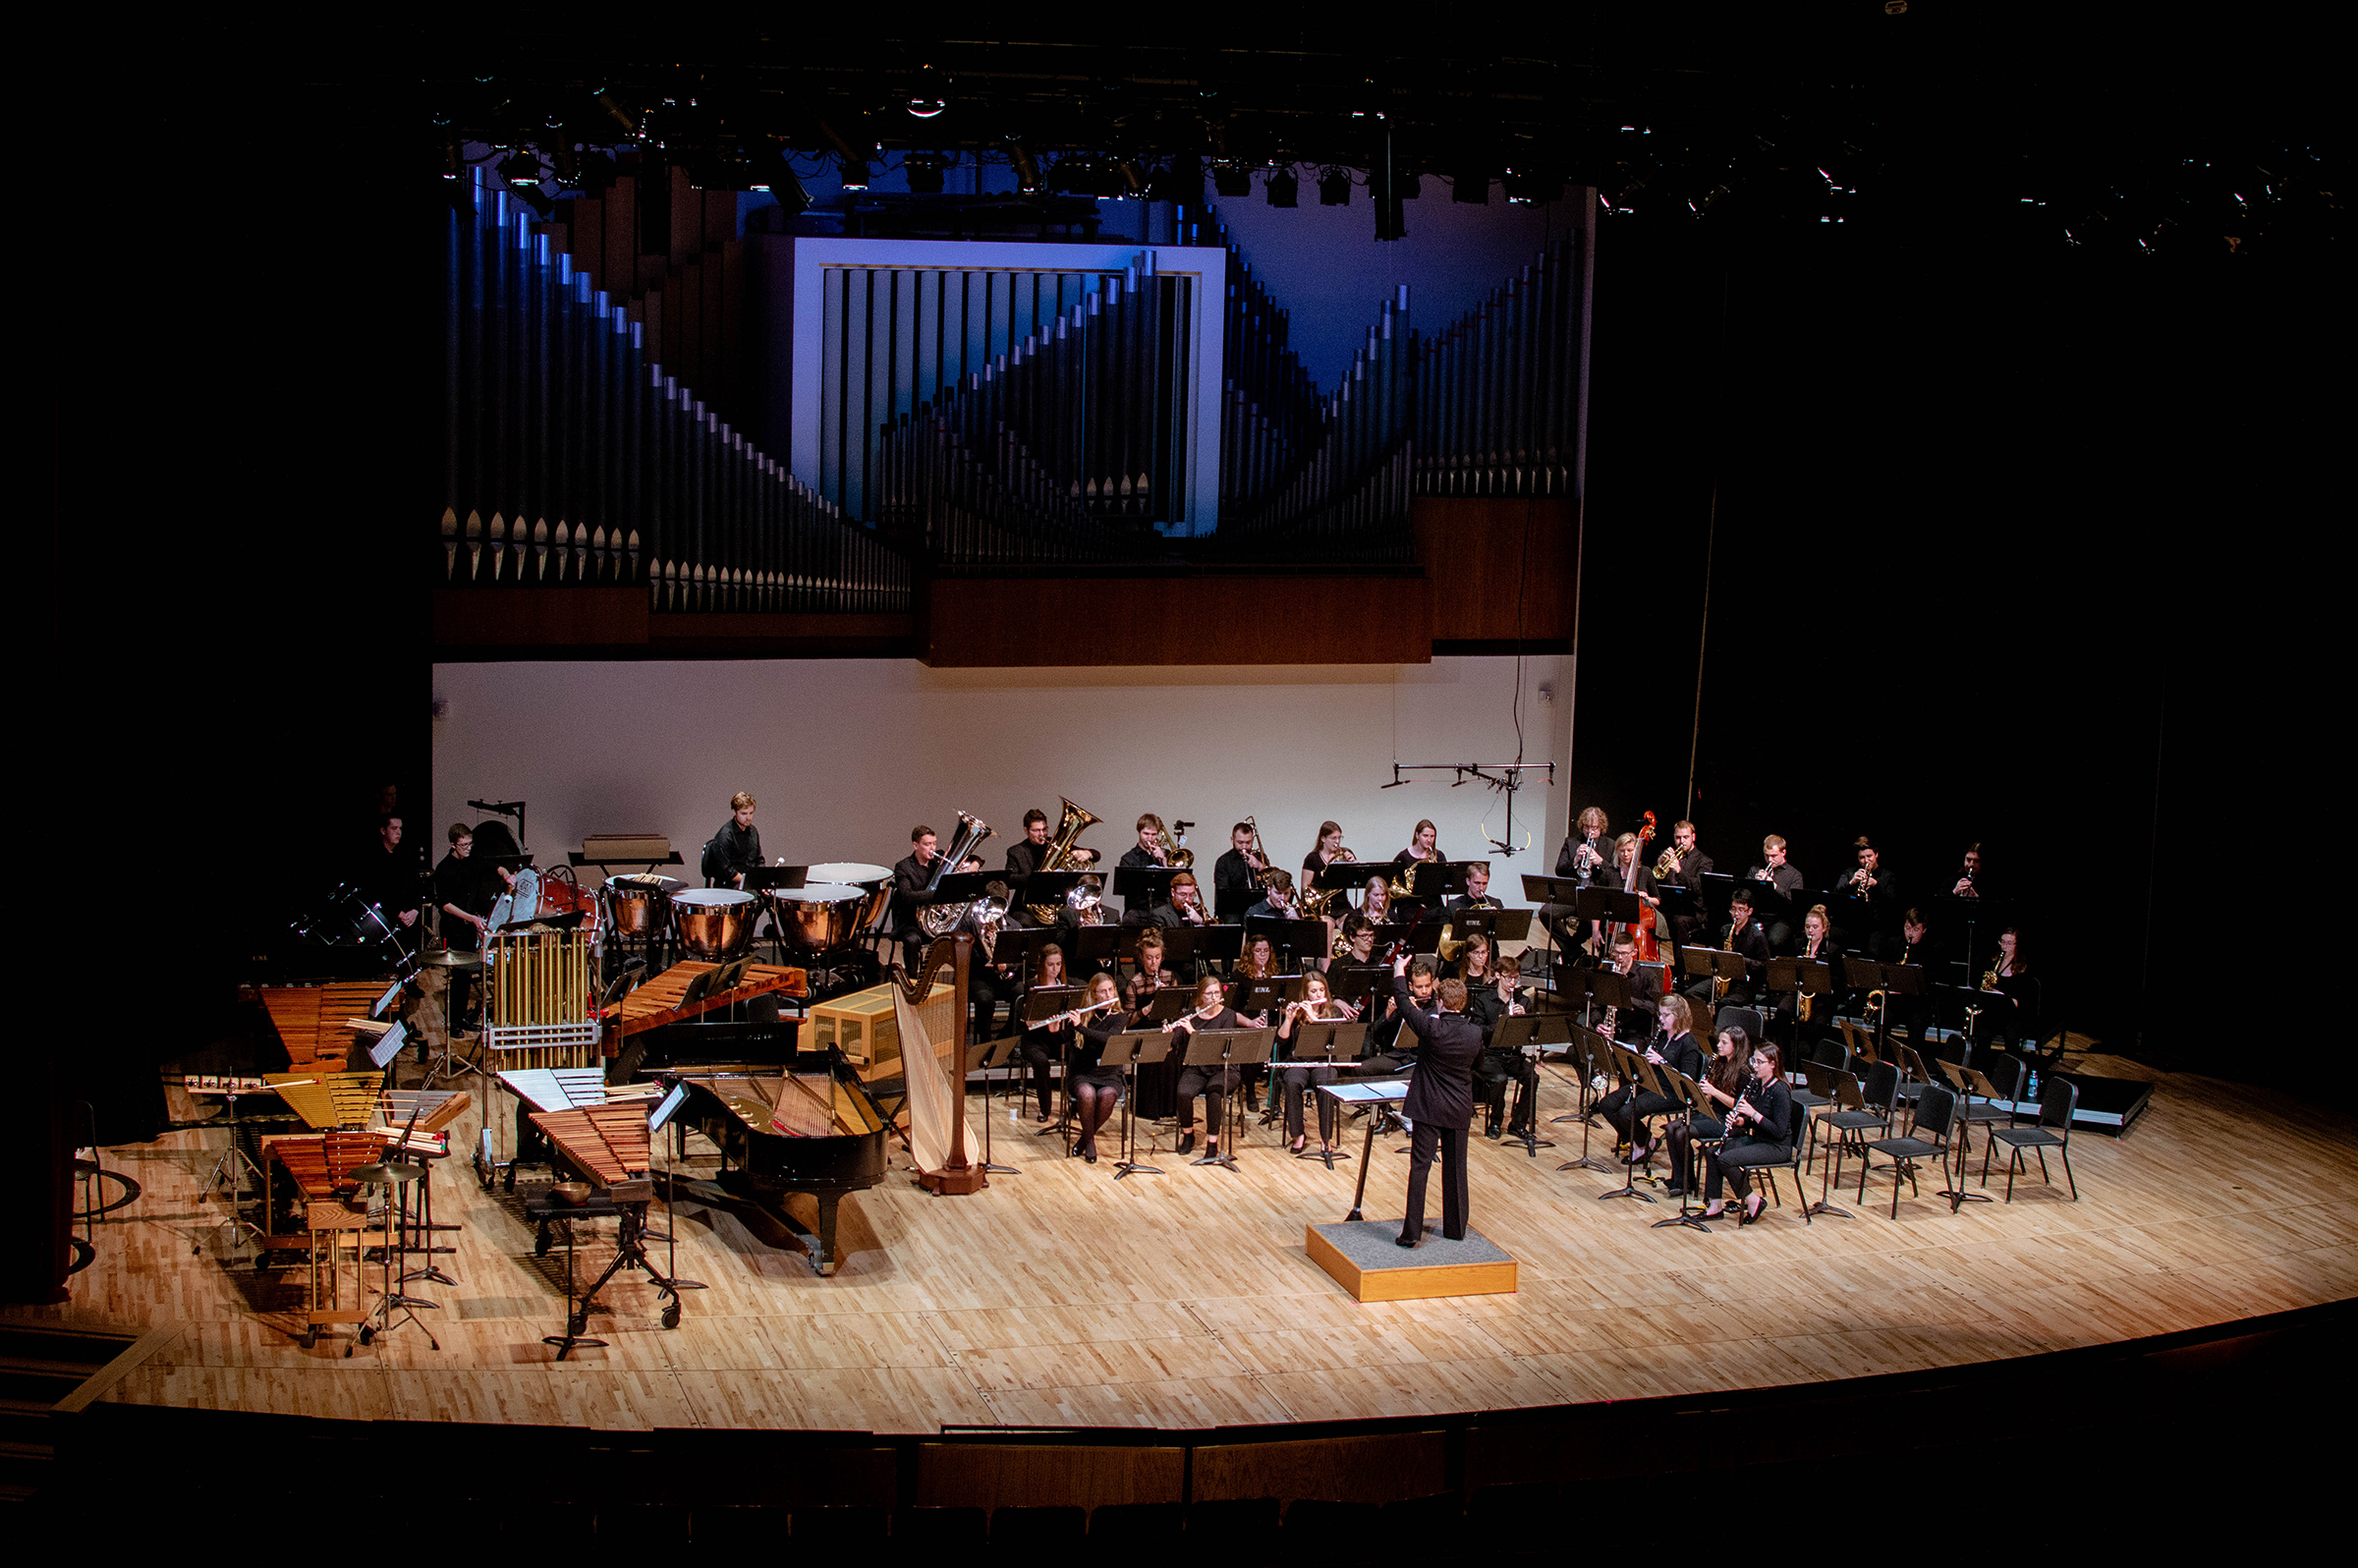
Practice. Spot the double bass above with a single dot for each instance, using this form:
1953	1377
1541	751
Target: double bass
1650	920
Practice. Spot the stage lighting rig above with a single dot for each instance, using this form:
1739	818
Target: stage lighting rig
1334	187
924	171
1284	187
1232	179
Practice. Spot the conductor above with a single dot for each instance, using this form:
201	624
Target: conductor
1441	1101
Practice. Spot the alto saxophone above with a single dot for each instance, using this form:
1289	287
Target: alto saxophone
1719	981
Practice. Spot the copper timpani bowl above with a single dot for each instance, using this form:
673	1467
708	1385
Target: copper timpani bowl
713	922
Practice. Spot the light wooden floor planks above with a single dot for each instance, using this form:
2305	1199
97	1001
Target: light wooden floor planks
1061	1298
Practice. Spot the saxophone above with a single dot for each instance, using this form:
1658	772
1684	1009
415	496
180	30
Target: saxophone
1719	981
1801	1008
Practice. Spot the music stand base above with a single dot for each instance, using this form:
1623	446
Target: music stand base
1134	1167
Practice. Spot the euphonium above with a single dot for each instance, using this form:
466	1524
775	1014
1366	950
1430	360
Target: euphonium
1069	827
940	919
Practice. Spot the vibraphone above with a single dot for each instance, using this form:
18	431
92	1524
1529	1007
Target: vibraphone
547	1089
610	1148
318	1168
538	1009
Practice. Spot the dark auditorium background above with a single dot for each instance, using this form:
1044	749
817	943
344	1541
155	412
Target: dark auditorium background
2014	539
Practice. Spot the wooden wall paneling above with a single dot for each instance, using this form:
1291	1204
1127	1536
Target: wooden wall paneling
964	1475
1177	621
1480	550
1374	1470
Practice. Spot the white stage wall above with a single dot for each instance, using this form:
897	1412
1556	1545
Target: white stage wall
846	756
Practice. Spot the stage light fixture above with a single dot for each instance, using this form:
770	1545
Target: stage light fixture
1180	180
1334	187
1284	187
1472	186
1232	179
923	170
772	173
520	167
1027	171
854	172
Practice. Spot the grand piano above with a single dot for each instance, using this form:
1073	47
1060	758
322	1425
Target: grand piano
805	1125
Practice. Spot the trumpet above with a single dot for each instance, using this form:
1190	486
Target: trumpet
1665	864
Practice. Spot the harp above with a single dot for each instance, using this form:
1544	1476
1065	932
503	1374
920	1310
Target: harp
930	1010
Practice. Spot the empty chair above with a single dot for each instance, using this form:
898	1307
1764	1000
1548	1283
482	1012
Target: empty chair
1137	1527
1926	1139
1314	1525
1858	1111
923	1527
1420	1524
853	1527
2058	1100
1518	1516
1229	1521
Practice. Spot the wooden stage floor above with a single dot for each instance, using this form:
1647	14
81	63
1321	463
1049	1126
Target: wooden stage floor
1062	1298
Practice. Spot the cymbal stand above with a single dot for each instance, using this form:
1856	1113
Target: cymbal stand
394	1255
232	1166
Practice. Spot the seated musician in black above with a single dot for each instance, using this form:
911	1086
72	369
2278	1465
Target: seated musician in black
1759	1126
1478	889
1236	875
910	878
1046	1043
1489	997
1775	873
1633	1022
1721	1081
1693	864
1095	1087
736	848
1214	1082
1317	1006
1628	1108
1186	906
1741	935
988	982
1024	856
1817	946
1259	963
1392	1045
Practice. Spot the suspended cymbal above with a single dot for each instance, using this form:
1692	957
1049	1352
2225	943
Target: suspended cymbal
454	959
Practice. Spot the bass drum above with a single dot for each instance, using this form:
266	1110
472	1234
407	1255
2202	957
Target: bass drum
713	923
348	920
875	883
817	917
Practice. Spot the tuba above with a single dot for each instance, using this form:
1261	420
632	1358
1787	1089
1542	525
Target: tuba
940	919
1069	827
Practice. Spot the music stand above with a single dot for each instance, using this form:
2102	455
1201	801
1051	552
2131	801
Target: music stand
1096	947
1967	1081
1520	1034
1799	977
1690	1097
1040	1005
1142	887
661	1115
985	1058
1130	1050
1716	964
1324	1045
1381	1095
1228	1047
1639	1073
1595	1056
1294	939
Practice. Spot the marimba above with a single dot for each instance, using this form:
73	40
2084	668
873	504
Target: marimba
314	1022
689	989
318	1168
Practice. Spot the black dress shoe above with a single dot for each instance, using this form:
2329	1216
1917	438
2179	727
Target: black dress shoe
1187	1142
1404	1240
1090	1153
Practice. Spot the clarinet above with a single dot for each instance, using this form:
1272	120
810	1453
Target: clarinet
1743	1098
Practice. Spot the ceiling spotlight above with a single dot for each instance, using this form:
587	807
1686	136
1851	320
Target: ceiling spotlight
1334	187
925	108
854	172
1472	186
1231	178
1284	187
520	167
923	170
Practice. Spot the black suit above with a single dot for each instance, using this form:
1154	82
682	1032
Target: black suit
909	881
1441	1108
1692	868
1023	858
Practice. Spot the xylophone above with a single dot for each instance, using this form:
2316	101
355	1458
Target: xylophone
315	1022
318	1168
611	1149
329	1099
686	990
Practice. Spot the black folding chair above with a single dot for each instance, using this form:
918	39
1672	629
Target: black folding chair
1796	1129
1926	1139
2058	1101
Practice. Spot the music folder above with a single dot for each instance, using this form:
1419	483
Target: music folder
767	879
1552	889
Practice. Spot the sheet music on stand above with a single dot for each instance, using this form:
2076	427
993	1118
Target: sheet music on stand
549	1089
1328	1044
1142	887
1043	1002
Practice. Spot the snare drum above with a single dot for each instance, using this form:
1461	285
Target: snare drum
817	917
713	922
639	904
874	882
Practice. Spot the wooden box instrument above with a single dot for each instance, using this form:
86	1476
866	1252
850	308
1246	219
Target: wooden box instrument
861	1025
